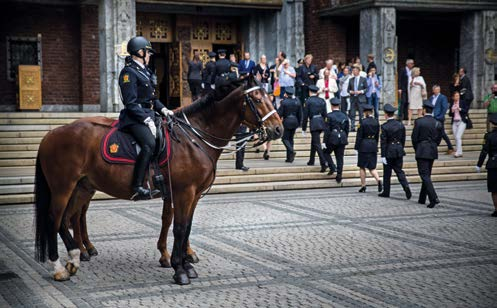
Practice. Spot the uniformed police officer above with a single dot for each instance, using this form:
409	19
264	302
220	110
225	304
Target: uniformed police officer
336	138
366	144
291	112
393	140
490	148
223	65
209	73
315	111
426	137
140	102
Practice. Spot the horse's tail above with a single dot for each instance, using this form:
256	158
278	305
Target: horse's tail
42	204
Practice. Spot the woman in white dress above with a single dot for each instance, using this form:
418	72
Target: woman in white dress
417	93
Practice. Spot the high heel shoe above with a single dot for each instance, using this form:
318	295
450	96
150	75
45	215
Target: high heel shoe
363	189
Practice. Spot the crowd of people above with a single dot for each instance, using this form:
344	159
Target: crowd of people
328	99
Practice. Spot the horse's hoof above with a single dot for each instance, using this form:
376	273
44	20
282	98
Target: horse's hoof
62	276
84	256
71	268
192	258
93	251
181	279
190	271
165	262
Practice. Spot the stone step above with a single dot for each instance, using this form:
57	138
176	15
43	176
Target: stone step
23	134
55	115
278	185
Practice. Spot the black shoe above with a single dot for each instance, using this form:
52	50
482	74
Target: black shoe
384	195
142	193
243	168
331	172
431	205
257	150
363	189
380	186
266	155
292	157
408	193
437	201
494	214
310	164
323	169
339	178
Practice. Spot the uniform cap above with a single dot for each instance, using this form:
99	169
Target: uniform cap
368	107
335	101
289	90
388	108
427	104
221	51
212	54
313	88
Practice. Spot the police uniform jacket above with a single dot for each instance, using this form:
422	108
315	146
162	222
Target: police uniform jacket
393	139
138	95
304	73
337	129
367	136
315	111
291	112
209	73
426	137
223	66
490	149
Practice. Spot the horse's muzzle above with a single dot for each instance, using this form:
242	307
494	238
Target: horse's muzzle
275	132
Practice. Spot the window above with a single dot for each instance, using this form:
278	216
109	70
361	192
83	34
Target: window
22	50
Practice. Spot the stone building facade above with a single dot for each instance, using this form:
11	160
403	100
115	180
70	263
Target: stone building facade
440	35
79	43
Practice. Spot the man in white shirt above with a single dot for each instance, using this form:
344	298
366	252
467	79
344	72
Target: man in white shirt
344	90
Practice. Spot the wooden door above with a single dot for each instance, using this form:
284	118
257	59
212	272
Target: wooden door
175	74
29	80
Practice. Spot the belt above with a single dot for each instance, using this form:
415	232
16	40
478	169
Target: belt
395	142
317	115
370	137
147	105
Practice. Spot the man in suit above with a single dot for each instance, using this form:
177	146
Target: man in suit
466	90
290	111
440	106
246	66
336	138
315	111
209	74
426	137
404	80
357	89
393	141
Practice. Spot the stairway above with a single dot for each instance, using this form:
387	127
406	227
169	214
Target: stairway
21	133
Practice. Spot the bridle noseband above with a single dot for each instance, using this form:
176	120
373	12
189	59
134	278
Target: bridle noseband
250	102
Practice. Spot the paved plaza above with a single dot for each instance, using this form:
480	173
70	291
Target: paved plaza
310	248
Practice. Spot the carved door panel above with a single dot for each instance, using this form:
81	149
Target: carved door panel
175	72
203	48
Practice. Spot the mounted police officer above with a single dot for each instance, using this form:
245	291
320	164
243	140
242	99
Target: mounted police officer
336	138
315	111
490	148
426	137
291	112
209	73
140	102
366	145
393	140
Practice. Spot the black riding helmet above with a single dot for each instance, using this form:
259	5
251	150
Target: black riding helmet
138	43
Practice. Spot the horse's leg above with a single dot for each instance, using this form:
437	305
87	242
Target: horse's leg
167	218
191	255
73	251
190	271
182	209
84	230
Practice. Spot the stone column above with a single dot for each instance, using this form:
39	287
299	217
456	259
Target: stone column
478	51
117	24
378	36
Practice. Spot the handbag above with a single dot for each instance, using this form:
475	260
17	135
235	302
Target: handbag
277	89
469	123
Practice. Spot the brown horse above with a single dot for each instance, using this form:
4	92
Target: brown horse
69	169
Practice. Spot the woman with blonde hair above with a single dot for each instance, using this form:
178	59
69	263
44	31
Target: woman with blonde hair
417	93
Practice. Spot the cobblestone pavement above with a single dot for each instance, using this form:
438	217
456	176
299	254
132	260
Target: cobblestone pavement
312	248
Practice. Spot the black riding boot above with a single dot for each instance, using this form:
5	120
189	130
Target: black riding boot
142	163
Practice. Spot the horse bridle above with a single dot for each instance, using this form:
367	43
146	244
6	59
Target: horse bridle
261	129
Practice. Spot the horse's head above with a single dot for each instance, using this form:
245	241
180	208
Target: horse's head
258	111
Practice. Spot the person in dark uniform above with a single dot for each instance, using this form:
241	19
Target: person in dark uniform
336	138
209	73
393	140
223	65
140	104
490	148
291	112
366	144
315	111
307	75
426	137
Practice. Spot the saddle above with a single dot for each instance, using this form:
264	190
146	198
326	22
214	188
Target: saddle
118	147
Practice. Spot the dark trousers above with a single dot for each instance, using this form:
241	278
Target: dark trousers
445	137
344	104
195	88
303	94
403	106
240	155
287	140
146	141
316	147
339	153
424	170
355	105
395	165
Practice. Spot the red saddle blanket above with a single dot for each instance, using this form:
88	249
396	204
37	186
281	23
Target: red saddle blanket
118	147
